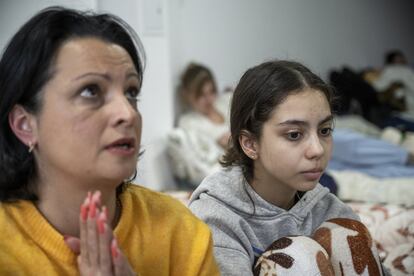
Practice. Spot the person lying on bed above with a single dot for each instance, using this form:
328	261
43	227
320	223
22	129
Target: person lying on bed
208	113
267	211
397	72
70	124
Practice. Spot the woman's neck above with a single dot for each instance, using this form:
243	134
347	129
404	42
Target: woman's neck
60	204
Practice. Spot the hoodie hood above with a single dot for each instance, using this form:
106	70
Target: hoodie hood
229	187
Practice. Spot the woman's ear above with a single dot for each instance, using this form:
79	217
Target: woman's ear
248	143
23	125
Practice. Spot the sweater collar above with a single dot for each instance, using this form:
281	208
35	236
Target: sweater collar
37	229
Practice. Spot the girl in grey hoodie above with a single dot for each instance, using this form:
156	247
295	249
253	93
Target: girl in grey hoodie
268	192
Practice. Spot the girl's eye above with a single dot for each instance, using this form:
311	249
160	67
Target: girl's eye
90	91
326	131
294	136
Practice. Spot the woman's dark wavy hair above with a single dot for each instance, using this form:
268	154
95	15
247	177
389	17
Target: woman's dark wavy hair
260	90
27	65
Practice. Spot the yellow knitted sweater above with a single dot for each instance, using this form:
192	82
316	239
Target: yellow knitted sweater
158	234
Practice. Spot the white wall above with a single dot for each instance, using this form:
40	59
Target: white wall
156	102
14	13
232	35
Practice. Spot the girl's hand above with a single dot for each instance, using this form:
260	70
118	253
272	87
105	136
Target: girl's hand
99	250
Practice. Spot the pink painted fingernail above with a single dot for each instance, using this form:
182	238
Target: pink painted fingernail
105	212
101	226
97	197
92	209
84	212
114	248
101	223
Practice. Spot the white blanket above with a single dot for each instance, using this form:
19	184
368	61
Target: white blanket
361	187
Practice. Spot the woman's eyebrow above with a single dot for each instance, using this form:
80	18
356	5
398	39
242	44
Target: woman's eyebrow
305	123
101	75
132	75
104	75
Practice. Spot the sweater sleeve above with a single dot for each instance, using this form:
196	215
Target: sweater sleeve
231	247
232	262
193	247
209	265
194	122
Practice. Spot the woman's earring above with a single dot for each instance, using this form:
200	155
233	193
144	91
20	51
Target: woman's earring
31	147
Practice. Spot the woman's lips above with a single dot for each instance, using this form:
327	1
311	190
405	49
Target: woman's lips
312	175
121	150
122	147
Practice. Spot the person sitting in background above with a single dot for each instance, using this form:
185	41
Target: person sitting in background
208	113
70	125
196	144
398	77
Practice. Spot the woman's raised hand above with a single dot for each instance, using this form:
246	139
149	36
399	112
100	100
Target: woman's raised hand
99	250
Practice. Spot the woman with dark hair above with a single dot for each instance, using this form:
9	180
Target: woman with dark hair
268	195
70	129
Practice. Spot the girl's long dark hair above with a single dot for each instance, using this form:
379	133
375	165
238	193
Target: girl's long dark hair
260	90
